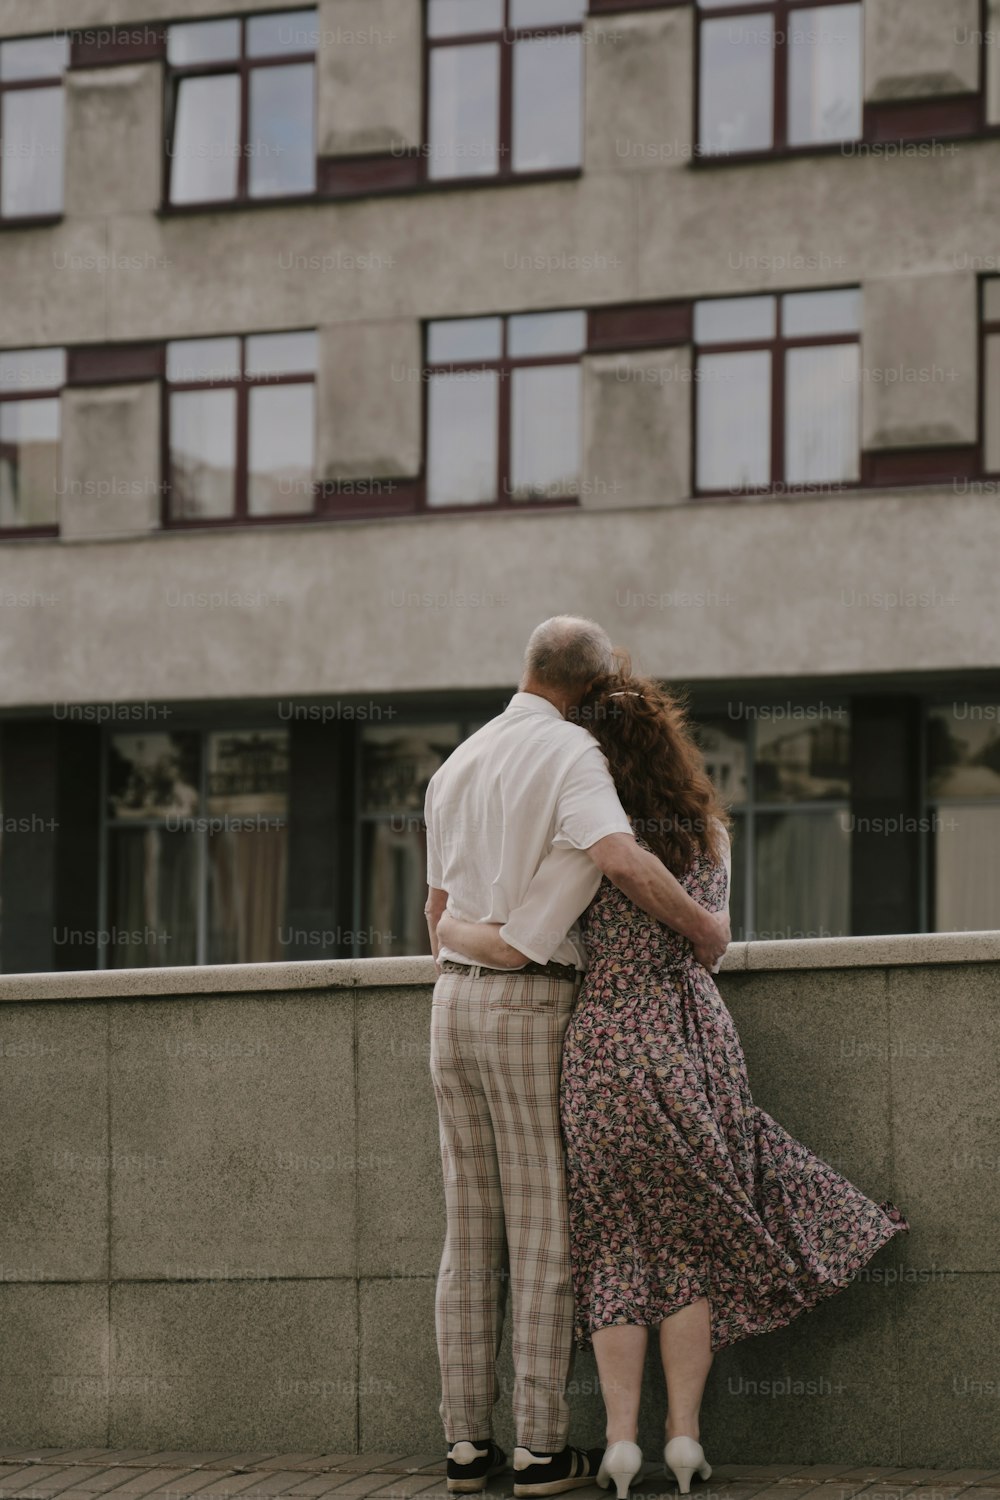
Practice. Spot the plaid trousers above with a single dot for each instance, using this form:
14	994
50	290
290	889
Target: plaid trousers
496	1053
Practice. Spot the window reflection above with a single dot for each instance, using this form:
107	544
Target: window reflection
283	151
545	432
802	875
29	463
548	103
465	111
803	759
32	178
824	78
202	454
282	442
737	84
205	152
462	439
734	421
822	414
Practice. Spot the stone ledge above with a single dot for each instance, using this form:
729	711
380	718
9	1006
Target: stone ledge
416	972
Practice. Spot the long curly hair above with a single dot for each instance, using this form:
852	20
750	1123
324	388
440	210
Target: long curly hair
657	766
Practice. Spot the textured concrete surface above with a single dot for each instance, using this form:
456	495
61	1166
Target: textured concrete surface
227	1210
918	49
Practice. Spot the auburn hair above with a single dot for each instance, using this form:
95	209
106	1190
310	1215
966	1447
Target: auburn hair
657	766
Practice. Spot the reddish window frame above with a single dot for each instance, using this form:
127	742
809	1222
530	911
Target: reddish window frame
777	347
242	66
17	85
780	13
505	38
505	366
242	385
988	328
48	393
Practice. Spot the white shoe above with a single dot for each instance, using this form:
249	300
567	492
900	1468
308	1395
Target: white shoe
683	1456
620	1464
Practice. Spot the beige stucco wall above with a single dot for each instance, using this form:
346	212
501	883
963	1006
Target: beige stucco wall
920	48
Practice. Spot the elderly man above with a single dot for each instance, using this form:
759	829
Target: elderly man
526	801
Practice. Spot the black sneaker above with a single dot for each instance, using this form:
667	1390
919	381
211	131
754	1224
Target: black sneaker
471	1464
552	1473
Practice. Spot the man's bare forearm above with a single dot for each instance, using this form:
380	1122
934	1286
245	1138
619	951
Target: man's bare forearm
434	906
648	882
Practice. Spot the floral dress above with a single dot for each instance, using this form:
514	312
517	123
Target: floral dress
679	1186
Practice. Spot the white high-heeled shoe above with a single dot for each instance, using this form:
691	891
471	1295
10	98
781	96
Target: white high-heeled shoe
684	1457
621	1463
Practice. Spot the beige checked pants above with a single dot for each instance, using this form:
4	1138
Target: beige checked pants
496	1052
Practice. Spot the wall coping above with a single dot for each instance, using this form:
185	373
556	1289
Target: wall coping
382	973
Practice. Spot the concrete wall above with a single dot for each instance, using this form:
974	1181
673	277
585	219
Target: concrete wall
223	1211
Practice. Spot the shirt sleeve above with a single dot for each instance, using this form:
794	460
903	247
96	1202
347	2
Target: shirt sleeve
588	807
435	876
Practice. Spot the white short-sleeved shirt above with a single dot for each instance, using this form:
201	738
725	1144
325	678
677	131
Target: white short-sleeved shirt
525	795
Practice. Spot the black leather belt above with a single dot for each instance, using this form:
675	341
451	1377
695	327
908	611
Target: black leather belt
551	970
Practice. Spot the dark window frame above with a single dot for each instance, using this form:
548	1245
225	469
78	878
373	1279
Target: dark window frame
988	328
778	347
780	13
504	365
19	85
241	67
242	384
505	38
8	397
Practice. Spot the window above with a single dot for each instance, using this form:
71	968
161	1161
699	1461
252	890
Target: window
195	847
31	126
504	87
241	101
503	409
778	75
784	770
30	383
396	763
963	793
241	428
991	374
777	382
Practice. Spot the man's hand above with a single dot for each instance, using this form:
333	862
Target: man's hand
710	947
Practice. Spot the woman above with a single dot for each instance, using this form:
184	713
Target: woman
692	1211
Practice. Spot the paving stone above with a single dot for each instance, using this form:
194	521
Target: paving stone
271	1482
9	1474
287	1461
191	1460
417	1463
360	1485
144	1480
369	1463
228	1484
238	1461
100	1481
324	1462
402	1486
184	1485
34	1477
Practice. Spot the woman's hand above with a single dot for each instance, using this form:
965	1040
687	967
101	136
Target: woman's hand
479	941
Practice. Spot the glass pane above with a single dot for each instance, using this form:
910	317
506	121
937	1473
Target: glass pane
212	360
824	74
822	415
723	744
963	750
281	354
546	333
29	463
462	439
247	805
734	421
806	313
991	299
394	888
34	57
154	776
992	412
286	31
545	432
464	111
203	41
463	17
397	762
205	150
966	869
462	340
803	754
32	125
548	103
802	875
737	84
282	131
546	12
735	320
32	369
202	454
152	898
282	447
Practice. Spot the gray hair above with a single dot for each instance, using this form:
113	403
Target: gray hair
566	653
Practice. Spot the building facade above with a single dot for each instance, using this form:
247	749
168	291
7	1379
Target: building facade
339	345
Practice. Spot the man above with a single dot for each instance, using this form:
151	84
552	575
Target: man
527	800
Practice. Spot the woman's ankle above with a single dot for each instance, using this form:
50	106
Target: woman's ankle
621	1432
683	1427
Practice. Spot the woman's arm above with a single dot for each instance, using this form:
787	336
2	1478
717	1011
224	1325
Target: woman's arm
480	941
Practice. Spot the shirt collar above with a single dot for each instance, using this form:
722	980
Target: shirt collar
531	703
